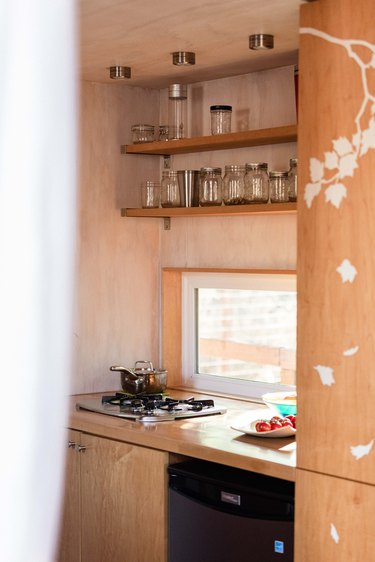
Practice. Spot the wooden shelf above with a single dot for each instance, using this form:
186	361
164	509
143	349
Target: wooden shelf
222	211
241	139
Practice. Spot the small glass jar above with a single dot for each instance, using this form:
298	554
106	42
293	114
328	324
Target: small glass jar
256	182
150	191
143	133
279	191
210	187
293	179
170	191
233	185
220	119
163	132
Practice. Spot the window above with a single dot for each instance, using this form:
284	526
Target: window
239	332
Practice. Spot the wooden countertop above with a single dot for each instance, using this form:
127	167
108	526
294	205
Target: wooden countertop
210	438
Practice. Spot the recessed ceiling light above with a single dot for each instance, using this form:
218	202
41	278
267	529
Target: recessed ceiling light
183	58
260	41
119	72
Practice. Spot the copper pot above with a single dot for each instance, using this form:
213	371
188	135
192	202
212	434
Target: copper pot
142	378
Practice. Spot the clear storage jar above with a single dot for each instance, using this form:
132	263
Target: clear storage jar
220	119
143	133
256	182
293	179
210	187
150	191
177	111
279	187
170	191
233	185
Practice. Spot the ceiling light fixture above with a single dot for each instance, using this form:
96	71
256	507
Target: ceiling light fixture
119	72
260	41
183	58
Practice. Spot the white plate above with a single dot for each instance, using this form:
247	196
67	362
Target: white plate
249	429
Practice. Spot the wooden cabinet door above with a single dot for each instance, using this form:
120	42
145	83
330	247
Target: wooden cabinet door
334	519
124	502
69	549
336	233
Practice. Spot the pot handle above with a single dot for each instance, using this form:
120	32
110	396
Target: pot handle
148	367
131	375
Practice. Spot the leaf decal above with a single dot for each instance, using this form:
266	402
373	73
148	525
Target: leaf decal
347	271
334	534
331	160
326	374
368	138
342	146
347	165
360	451
335	193
351	351
311	191
316	170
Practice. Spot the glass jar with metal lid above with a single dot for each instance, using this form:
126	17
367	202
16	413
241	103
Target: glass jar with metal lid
279	187
170	191
143	133
292	176
220	119
210	187
256	182
233	185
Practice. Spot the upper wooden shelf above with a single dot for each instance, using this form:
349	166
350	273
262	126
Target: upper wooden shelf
220	211
241	139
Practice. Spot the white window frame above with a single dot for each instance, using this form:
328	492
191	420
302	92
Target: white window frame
224	280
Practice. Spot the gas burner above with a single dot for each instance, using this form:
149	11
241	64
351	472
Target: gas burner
150	407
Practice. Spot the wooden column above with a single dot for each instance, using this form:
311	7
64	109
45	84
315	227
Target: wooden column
336	282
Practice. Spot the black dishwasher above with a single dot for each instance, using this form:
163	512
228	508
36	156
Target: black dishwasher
223	514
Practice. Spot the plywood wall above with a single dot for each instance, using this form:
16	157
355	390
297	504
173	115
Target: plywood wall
120	259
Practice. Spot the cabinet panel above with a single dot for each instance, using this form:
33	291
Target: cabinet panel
334	519
70	535
123	502
336	230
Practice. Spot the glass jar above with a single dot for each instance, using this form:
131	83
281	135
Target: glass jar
143	133
170	191
210	187
279	192
150	191
220	119
233	185
292	176
177	111
163	132
256	182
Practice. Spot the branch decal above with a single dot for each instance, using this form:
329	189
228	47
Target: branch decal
342	161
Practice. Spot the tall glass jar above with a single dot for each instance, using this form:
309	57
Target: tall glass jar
170	191
210	187
279	191
256	182
150	191
293	176
233	185
177	111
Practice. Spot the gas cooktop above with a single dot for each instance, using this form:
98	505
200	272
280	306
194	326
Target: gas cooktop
149	407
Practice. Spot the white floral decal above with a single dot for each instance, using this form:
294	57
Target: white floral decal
342	161
326	374
360	451
334	534
347	271
351	351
